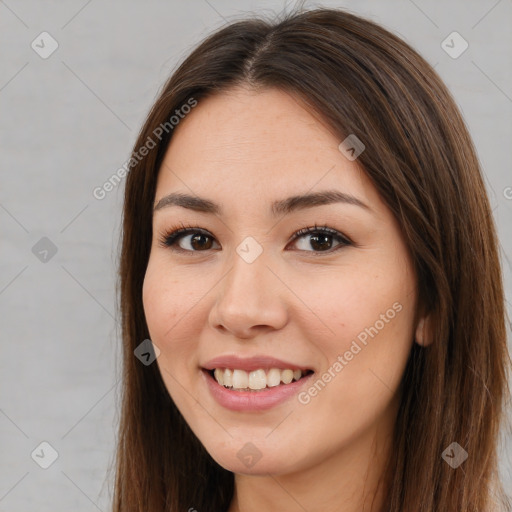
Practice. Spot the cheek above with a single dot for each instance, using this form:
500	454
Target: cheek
155	302
370	315
356	299
169	312
168	308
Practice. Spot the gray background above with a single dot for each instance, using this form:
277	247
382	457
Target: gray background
68	123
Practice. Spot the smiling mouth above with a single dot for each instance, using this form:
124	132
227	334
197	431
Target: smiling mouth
257	380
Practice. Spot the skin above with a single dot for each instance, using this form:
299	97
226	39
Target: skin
245	149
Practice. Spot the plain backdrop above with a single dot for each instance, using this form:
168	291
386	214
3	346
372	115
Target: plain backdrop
68	122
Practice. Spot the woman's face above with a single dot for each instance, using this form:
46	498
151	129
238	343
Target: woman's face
242	285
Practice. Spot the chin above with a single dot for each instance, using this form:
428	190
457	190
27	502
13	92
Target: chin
262	467
250	460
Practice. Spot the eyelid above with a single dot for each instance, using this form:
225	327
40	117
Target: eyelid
174	234
322	229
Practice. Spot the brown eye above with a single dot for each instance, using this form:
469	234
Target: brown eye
188	240
199	241
320	239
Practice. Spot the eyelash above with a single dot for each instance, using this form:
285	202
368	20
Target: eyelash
174	234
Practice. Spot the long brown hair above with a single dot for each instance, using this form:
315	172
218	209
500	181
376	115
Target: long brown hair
360	79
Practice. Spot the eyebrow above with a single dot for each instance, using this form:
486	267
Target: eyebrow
280	207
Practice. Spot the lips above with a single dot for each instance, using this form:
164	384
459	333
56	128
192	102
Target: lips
253	363
240	385
253	401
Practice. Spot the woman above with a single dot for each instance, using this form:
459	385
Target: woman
308	244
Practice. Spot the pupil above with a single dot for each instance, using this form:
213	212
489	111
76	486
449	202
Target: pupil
195	238
315	238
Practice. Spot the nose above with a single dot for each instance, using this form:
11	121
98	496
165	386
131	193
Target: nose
250	300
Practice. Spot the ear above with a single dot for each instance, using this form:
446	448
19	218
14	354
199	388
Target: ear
423	335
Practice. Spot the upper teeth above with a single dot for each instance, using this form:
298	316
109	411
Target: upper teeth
257	379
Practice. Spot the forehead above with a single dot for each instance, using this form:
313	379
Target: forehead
263	144
269	124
